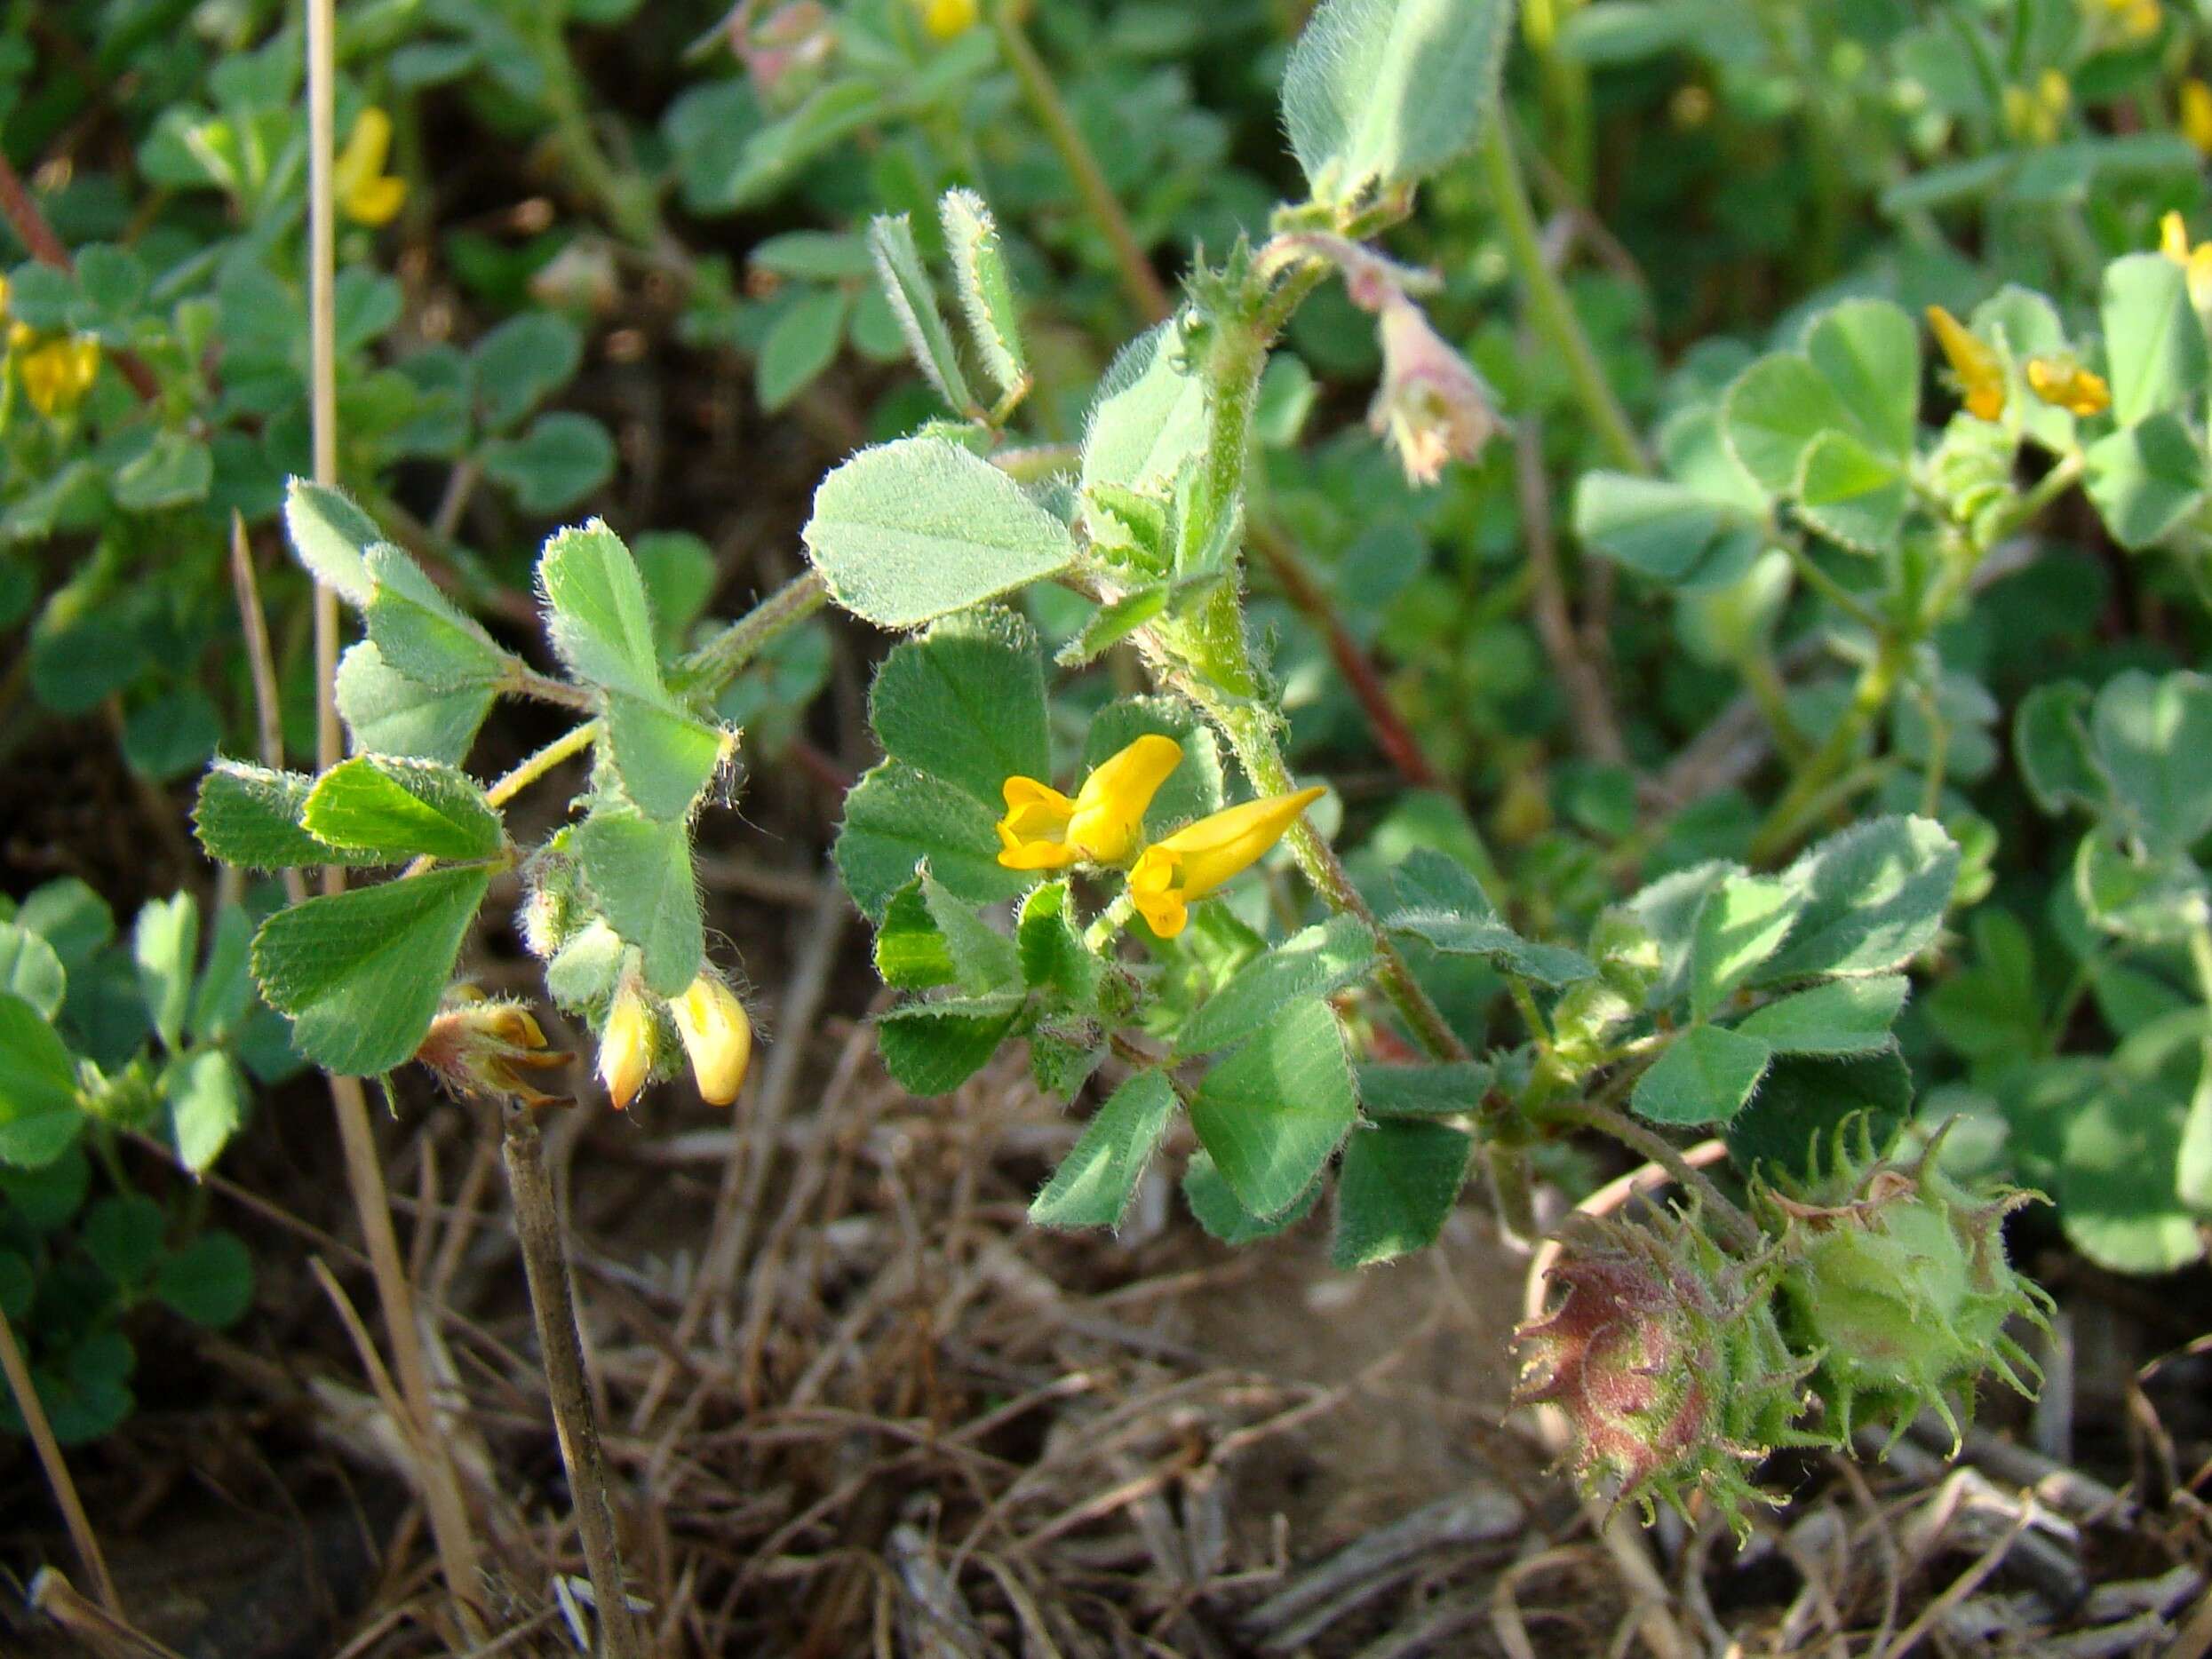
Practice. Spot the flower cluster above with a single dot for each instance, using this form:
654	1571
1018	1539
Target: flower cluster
2060	378
1103	824
710	1024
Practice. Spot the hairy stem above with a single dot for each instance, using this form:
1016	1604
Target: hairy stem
1139	280
714	665
532	767
545	1265
1741	1229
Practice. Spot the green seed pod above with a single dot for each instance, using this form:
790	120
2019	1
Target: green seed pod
1896	1285
552	906
1665	1360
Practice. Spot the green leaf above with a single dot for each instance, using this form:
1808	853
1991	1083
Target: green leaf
362	972
1868	351
1381	92
2149	898
2051	737
1223	1215
601	621
71	917
2117	1196
2153	737
1742	922
1771	415
1791	1126
331	537
910	951
1415	1091
1095	1182
1195	788
663	756
679	575
1874	896
986	292
1841	1017
896	818
910	531
1111	623
639	870
914	303
1397	1185
29	969
39	1113
1658	528
209	1282
122	1235
1147	420
965	702
165	945
523	361
1850	495
1055	959
1444	907
1272	1113
206	1105
389	809
420	633
47	1199
933	1048
389	714
563	457
1705	1076
1317	962
2147	478
799	345
173	734
174	470
250	817
984	959
2154	344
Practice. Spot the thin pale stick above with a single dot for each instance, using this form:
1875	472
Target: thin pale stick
49	1459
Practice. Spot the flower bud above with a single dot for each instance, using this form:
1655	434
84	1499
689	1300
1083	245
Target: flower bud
480	1048
1894	1280
717	1036
1432	405
1665	1359
625	1046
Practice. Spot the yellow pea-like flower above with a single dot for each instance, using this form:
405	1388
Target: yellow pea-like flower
367	193
2173	242
57	375
2065	383
943	19
2196	115
717	1036
1103	824
1980	371
626	1047
483	1049
1173	874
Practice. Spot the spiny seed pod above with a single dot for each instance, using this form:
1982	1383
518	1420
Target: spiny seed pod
1665	1358
1894	1283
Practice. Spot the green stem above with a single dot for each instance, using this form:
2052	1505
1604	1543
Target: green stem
1764	681
574	741
1809	788
1743	1231
714	665
628	199
1139	280
1550	312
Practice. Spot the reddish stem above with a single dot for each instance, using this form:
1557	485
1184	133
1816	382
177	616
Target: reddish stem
1392	734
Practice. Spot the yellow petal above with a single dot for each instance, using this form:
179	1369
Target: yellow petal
1214	849
2196	115
1032	835
1107	822
376	201
1980	371
1155	889
717	1036
625	1048
2068	385
2173	238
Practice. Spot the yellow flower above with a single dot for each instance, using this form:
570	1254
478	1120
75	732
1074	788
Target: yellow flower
368	195
57	375
2035	116
2173	242
1172	874
717	1036
2136	20
1043	829
480	1049
942	19
626	1047
1981	372
2196	114
2062	381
